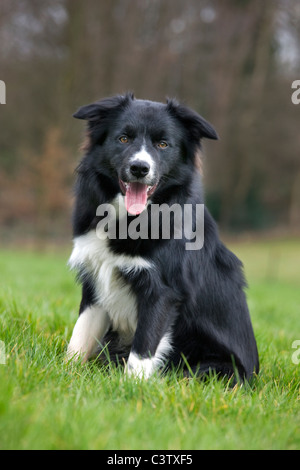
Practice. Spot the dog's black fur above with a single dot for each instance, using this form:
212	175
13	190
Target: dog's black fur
197	297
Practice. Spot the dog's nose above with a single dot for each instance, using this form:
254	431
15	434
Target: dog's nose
139	169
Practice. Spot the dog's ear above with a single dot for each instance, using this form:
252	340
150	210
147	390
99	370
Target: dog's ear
90	112
95	111
195	124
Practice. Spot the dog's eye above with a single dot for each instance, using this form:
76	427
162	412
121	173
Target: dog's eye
124	139
162	144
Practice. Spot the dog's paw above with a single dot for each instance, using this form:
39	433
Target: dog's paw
139	368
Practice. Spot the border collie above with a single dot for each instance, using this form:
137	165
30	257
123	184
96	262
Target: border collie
149	300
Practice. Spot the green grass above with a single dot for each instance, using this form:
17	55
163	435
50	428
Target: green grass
46	403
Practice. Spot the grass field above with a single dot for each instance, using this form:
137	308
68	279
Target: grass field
48	404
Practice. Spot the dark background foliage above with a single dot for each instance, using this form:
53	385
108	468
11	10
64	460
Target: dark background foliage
233	61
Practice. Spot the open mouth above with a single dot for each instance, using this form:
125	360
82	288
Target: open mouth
136	196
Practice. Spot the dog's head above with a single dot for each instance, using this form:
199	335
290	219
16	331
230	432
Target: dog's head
143	143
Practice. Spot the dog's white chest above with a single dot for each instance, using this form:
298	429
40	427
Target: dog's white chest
116	297
113	293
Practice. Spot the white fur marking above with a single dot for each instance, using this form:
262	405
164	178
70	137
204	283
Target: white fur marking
139	368
143	156
88	331
113	294
144	368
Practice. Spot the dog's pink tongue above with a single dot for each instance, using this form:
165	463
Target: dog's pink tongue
135	198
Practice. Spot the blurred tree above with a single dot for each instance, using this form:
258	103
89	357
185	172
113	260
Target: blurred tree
51	172
241	68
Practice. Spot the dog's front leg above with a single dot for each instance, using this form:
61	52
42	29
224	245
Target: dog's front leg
91	326
152	340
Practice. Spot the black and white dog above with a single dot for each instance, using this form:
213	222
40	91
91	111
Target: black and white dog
149	298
